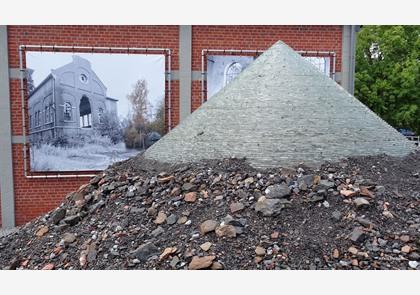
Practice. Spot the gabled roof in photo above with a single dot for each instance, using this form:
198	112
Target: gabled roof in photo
280	111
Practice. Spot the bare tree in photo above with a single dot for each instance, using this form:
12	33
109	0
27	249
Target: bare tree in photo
135	133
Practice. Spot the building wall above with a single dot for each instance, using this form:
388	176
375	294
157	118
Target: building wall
37	196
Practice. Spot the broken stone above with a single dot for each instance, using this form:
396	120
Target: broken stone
365	222
361	202
260	251
405	238
187	186
270	207
72	220
413	264
275	235
161	217
353	250
236	207
387	214
249	180
201	262
69	238
205	246
168	251
277	191
190	197
175	260
348	193
49	266
151	212
357	235
406	249
145	251
182	220
42	231
208	226
364	191
171	219
217	266
228	231
336	254
308	180
158	231
336	215
58	215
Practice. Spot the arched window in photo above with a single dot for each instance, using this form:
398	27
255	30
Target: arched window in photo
85	113
100	115
231	71
68	111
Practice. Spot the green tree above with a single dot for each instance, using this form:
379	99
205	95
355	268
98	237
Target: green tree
387	76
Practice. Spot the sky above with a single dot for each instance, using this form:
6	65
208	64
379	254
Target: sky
118	72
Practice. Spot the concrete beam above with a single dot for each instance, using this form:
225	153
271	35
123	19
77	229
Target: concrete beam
348	58
185	76
6	162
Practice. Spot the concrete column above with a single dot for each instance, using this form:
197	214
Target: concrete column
348	58
185	47
6	162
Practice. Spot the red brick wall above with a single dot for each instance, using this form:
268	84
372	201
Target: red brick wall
37	196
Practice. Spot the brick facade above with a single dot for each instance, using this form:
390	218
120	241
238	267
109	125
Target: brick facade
36	196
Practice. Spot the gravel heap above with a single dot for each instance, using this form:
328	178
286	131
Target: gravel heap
358	213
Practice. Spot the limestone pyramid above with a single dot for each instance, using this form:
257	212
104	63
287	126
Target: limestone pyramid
280	111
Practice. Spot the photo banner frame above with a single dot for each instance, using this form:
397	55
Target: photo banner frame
89	109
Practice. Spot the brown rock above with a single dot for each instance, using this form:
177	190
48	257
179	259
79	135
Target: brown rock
168	251
69	238
354	262
166	179
182	220
217	266
190	197
236	207
206	246
226	231
275	235
49	266
208	226
348	193
175	191
258	259
353	250
387	214
364	191
336	254
161	217
260	251
406	249
42	231
201	262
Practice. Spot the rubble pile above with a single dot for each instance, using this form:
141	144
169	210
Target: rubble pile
358	213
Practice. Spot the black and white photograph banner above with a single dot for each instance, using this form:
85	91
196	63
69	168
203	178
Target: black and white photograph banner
221	69
89	110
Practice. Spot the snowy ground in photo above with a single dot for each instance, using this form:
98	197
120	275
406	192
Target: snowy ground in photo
88	157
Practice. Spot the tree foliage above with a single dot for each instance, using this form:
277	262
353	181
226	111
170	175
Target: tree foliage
388	73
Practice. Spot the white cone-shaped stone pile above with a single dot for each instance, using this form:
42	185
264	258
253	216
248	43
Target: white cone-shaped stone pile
280	111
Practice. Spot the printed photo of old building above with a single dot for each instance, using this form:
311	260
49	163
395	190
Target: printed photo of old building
70	100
